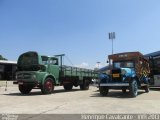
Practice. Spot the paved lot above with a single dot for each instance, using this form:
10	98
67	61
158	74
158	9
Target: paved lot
77	102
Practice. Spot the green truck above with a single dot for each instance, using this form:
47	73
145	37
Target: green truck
45	72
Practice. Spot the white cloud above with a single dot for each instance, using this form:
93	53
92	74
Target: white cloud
86	65
100	65
83	65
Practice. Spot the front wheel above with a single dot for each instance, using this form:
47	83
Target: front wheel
48	86
133	88
25	89
103	90
0	77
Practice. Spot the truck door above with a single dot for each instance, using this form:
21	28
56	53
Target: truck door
54	67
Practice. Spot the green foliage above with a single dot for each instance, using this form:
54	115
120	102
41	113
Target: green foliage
2	58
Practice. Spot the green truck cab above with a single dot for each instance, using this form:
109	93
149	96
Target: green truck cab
128	70
46	72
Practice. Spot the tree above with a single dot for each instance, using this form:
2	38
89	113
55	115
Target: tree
2	58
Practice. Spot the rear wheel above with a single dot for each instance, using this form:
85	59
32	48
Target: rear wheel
68	86
25	89
48	86
133	88
85	85
103	90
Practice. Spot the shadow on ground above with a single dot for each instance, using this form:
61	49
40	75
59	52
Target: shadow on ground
116	94
34	93
155	88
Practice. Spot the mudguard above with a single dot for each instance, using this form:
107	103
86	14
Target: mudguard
103	77
48	75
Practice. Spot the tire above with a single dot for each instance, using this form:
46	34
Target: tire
103	90
0	76
133	88
25	89
48	86
146	88
68	87
85	85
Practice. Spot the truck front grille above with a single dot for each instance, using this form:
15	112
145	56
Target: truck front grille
116	75
24	76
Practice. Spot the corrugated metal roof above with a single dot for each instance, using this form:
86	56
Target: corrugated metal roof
8	62
153	54
103	69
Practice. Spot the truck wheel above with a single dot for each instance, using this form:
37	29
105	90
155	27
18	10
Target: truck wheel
133	88
0	77
24	89
48	86
68	87
103	90
85	85
146	88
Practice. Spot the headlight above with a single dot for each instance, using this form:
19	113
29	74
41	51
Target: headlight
108	72
123	72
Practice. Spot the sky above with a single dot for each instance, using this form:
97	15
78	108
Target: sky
79	28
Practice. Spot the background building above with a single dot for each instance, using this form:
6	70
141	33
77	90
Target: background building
7	70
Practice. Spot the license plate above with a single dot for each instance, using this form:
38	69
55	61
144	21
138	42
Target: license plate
115	75
20	83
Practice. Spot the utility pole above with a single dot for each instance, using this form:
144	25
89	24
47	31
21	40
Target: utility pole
112	36
98	64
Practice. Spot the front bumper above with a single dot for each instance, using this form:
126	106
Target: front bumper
26	77
20	82
114	84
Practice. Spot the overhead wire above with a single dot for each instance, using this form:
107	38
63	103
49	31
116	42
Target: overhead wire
69	60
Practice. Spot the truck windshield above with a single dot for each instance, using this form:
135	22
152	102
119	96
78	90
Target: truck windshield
28	61
123	64
45	60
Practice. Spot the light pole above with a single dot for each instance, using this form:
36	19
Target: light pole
98	64
112	36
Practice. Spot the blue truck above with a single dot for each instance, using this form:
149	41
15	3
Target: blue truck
127	71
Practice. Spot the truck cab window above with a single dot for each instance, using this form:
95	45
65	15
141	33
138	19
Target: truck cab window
117	65
54	61
45	60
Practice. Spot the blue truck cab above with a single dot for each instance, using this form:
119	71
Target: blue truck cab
127	71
